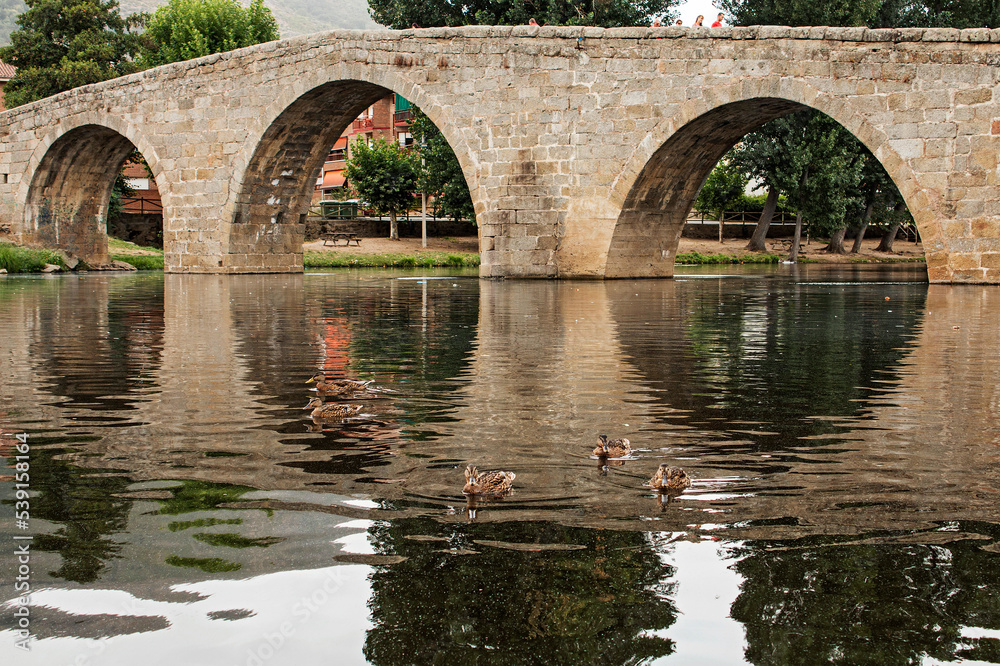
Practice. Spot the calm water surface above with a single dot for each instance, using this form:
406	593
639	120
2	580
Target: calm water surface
840	425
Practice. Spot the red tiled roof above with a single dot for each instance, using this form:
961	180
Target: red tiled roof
7	71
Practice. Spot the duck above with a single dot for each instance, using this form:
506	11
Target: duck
670	479
334	411
615	448
487	483
337	387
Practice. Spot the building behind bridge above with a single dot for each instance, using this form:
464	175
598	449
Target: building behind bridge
6	74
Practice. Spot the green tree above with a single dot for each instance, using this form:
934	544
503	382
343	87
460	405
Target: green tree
384	176
801	12
400	14
722	189
186	29
62	44
871	13
812	160
441	175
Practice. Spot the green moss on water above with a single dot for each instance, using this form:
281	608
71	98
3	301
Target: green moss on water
206	564
390	260
232	540
201	496
178	525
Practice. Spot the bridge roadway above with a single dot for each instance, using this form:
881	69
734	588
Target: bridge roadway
583	147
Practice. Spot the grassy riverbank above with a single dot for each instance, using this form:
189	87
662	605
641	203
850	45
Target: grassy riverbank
389	260
144	258
720	258
454	252
16	259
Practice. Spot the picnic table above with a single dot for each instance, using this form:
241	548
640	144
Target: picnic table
331	238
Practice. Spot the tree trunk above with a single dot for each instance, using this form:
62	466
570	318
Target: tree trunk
793	254
864	227
393	226
836	245
885	245
722	216
758	242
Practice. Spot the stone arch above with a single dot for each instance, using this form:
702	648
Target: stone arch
273	175
661	180
68	183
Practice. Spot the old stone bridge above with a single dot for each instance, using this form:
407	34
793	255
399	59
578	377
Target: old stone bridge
583	147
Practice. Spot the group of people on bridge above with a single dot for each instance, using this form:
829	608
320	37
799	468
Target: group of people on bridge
698	22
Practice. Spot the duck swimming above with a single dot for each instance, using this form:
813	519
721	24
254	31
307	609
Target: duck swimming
337	387
615	448
670	479
334	411
487	483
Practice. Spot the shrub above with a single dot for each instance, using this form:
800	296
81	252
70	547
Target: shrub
27	260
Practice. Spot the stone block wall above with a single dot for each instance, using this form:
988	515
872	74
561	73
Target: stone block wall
583	147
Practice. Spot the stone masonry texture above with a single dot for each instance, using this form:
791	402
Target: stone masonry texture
583	147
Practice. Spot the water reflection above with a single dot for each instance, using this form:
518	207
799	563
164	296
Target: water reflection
889	599
840	437
517	591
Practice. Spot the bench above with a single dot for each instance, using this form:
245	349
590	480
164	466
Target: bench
346	236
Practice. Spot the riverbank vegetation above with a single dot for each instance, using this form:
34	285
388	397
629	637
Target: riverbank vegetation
15	259
390	260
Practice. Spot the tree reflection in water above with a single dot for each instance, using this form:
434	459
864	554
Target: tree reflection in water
885	601
598	604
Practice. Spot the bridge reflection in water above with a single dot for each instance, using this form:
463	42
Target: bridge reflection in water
839	427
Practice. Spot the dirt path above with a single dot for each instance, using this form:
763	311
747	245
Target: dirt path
733	246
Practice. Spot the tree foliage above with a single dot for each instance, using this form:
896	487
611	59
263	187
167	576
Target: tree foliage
385	177
722	190
441	175
62	44
871	13
186	29
400	14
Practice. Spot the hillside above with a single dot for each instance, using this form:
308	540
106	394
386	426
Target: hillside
295	17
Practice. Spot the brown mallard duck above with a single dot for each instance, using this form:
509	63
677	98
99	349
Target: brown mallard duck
487	483
338	386
613	448
670	479
338	410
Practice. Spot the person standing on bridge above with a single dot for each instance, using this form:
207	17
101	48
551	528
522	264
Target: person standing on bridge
718	20
699	22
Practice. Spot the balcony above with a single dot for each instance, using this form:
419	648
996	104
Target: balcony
402	118
362	124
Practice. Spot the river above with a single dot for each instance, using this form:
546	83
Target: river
839	424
